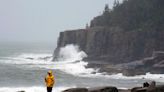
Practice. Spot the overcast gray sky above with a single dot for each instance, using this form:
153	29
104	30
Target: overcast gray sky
42	20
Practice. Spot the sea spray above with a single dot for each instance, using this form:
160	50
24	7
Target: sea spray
70	62
71	53
71	58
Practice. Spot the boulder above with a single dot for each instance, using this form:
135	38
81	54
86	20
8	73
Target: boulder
124	90
160	88
76	90
103	89
139	89
152	87
21	91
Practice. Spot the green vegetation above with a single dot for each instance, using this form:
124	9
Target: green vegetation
133	15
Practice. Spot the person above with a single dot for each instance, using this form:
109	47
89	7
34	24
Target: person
49	80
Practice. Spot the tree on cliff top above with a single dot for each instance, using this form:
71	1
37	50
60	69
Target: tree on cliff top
133	15
104	19
116	3
106	9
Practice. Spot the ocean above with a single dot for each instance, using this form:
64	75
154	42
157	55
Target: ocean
23	67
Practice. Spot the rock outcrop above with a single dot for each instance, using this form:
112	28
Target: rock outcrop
112	44
153	64
98	89
133	30
103	89
151	88
76	90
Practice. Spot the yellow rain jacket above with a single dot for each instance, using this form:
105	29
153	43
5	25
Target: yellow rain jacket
49	80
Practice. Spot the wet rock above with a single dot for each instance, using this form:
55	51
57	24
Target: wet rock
146	84
139	89
124	90
103	89
30	58
45	58
97	89
160	88
152	87
135	88
76	90
21	91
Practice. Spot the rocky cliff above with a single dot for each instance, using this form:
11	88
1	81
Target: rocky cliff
114	45
132	31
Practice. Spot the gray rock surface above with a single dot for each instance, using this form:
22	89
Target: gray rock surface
103	89
106	47
97	89
153	64
113	45
76	90
152	88
21	91
121	36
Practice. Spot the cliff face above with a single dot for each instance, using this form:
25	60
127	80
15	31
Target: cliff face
113	45
131	31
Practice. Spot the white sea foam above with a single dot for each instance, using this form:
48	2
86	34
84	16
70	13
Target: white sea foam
71	53
31	89
158	77
70	61
29	58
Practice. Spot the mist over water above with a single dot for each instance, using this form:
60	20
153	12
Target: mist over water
25	70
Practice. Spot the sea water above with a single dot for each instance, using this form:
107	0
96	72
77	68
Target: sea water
23	67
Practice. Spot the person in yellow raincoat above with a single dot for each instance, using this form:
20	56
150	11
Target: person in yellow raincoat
49	80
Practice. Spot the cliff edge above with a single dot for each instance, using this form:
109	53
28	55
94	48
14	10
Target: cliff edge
113	45
132	30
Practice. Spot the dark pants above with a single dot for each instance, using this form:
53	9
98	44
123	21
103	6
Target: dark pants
49	89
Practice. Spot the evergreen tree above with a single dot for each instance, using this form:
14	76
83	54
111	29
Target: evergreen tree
106	9
116	3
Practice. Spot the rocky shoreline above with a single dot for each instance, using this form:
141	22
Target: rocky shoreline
145	88
153	64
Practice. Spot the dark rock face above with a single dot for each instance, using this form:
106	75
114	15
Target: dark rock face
76	90
151	88
153	64
135	89
21	91
99	89
112	44
124	90
139	90
132	30
160	88
104	89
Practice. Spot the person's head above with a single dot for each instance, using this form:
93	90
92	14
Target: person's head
49	72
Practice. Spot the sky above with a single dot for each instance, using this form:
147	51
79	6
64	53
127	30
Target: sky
42	20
